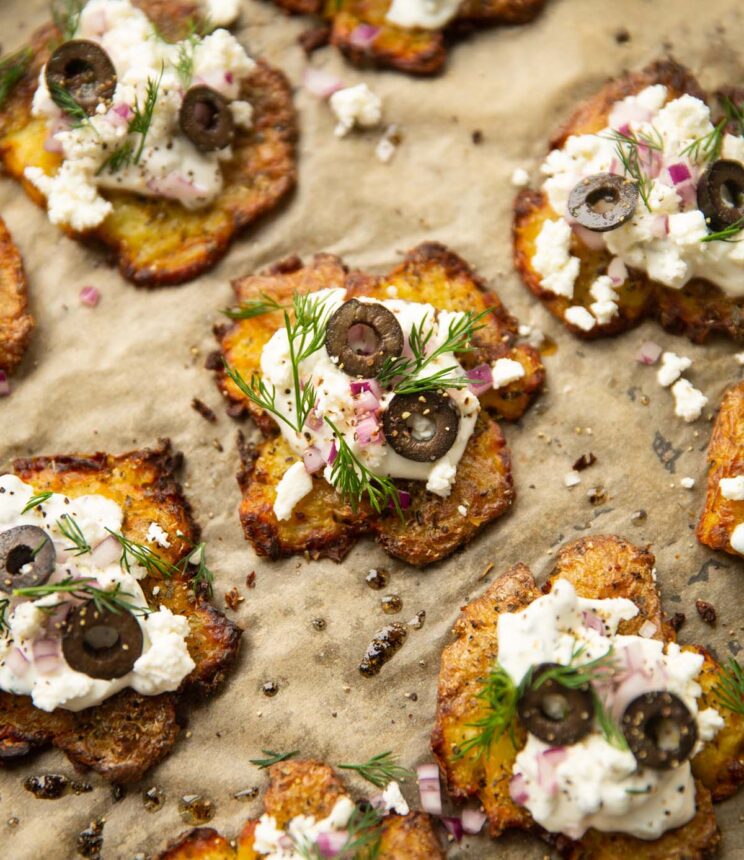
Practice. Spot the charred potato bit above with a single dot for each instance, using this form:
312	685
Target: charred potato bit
554	713
206	119
308	788
85	71
726	458
157	242
126	735
361	336
421	427
322	525
697	310
101	643
16	325
602	202
21	547
720	194
660	730
599	567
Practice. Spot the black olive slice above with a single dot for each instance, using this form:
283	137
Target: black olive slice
85	70
660	730
361	335
101	643
554	713
421	427
720	194
206	119
602	202
27	558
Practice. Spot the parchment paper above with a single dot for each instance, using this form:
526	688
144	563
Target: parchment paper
124	374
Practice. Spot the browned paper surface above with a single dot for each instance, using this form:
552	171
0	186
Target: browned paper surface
124	374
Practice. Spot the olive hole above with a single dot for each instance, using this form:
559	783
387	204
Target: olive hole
732	195
18	558
77	66
603	200
422	427
206	115
554	707
363	339
100	640
665	733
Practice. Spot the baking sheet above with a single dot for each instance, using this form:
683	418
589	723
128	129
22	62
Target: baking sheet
123	375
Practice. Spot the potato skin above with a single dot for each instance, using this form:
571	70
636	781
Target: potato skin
156	242
697	310
599	567
322	525
16	324
306	787
726	460
127	734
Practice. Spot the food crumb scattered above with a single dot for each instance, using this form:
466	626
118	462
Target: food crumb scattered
572	478
687	483
584	462
706	611
205	411
233	598
520	178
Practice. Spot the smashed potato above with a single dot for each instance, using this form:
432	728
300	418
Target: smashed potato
322	524
157	242
726	459
598	567
16	324
308	788
129	733
697	310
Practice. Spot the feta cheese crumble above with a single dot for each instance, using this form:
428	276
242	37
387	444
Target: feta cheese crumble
672	367
688	401
156	534
294	485
732	488
737	539
520	178
687	483
505	371
424	14
580	317
356	107
170	165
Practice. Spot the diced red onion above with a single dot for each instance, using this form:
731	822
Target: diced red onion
16	661
687	192
4	384
90	296
518	789
649	352
363	36
593	622
177	187
453	825
314	421
481	379
593	240
647	629
366	402
331	844
473	820
313	460
333	453
229	78
404	500
679	173
372	385
368	431
546	773
555	755
430	790
617	271
45	648
107	552
321	83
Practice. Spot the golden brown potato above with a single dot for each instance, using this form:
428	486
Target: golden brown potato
16	324
598	567
128	733
415	51
308	788
154	241
726	460
321	524
697	310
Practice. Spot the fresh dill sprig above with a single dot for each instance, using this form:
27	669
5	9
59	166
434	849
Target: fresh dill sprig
203	578
273	757
254	308
574	676
72	531
354	481
66	16
730	688
380	769
627	149
137	553
4	604
65	101
114	600
727	234
37	500
121	157
707	147
184	65
12	69
610	729
447	377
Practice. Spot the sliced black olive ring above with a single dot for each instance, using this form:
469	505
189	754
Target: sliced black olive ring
101	643
22	547
660	730
554	713
720	194
421	427
206	119
85	70
361	335
602	202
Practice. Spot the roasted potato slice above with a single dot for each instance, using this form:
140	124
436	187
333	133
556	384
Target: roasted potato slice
321	524
127	734
157	242
415	51
16	324
598	567
308	788
697	310
726	460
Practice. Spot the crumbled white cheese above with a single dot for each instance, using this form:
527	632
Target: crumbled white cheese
26	621
552	259
672	367
687	483
302	831
394	800
572	478
222	13
732	488
388	144
505	371
462	510
242	113
688	401
356	107
737	538
520	177
166	662
580	317
156	534
424	14
605	307
295	484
